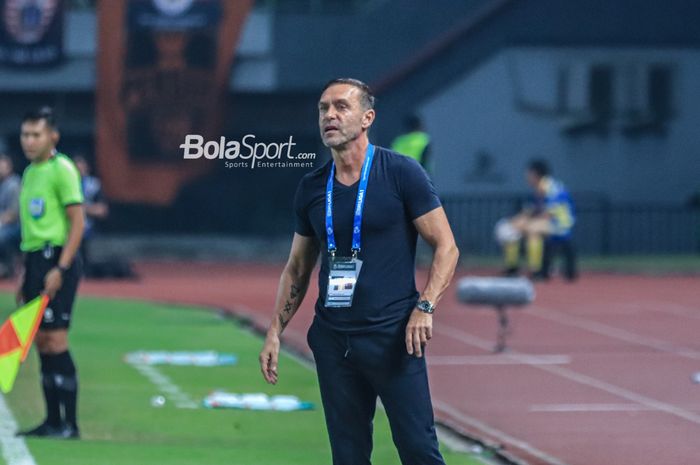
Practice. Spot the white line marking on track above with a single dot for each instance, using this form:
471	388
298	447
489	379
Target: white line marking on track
496	434
615	333
578	377
165	385
669	308
447	360
588	408
14	449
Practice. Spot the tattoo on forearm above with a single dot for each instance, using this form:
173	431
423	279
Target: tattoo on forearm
283	322
291	303
295	291
290	306
287	309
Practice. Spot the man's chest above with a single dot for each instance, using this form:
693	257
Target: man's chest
37	188
383	211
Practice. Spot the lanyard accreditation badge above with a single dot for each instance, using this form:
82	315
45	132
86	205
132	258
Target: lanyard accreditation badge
345	271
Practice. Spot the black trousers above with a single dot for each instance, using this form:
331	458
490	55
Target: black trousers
560	246
353	370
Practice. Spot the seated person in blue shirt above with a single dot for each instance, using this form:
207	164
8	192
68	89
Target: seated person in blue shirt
96	207
548	215
9	216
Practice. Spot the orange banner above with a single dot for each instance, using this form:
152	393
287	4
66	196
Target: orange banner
163	72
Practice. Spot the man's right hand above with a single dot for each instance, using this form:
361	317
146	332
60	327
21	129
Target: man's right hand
269	357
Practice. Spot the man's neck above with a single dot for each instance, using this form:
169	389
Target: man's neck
44	157
349	159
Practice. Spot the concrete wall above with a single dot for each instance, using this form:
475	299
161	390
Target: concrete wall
312	49
483	135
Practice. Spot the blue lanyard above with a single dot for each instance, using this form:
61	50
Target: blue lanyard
359	204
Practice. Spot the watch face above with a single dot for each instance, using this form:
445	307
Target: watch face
425	306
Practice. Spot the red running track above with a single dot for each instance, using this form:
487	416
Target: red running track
598	372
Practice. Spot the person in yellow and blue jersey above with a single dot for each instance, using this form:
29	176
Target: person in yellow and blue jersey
52	224
547	219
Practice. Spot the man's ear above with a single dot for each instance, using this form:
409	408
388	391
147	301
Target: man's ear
55	137
368	118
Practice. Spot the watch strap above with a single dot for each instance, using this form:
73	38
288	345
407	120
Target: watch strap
425	306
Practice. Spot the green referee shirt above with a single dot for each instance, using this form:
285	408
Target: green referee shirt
48	188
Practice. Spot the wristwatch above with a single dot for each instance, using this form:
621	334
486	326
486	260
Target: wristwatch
425	306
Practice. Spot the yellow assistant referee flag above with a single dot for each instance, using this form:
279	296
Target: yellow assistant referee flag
16	336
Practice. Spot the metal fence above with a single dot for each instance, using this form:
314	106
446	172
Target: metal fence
602	228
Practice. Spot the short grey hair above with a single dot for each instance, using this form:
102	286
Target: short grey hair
367	98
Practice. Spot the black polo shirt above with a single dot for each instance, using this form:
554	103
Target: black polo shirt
398	191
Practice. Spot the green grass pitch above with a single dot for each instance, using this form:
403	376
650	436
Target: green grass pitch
119	425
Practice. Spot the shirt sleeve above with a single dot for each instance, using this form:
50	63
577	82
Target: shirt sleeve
68	185
417	190
302	224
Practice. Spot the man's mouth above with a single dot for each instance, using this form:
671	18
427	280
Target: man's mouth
329	128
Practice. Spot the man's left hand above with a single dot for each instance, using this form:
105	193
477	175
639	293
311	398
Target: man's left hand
418	332
52	282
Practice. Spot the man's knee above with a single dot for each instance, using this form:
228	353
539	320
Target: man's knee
349	449
52	342
414	435
421	450
536	229
519	223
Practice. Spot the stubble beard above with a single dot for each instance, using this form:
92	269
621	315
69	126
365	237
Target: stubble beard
341	142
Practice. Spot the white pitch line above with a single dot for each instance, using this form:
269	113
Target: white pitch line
14	449
496	433
579	378
165	385
449	360
615	333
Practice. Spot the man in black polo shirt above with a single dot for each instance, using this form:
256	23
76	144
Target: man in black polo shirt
363	211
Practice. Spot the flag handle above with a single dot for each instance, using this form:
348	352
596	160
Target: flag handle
35	326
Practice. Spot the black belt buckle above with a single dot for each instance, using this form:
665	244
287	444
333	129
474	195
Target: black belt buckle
48	251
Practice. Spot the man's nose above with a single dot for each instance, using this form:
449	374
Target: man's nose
331	113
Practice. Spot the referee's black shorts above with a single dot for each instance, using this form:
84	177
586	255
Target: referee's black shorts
58	311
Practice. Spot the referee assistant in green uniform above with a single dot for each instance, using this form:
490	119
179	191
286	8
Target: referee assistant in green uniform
52	222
